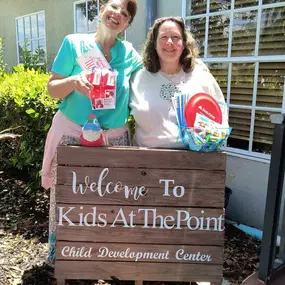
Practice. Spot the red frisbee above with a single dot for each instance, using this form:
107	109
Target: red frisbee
204	104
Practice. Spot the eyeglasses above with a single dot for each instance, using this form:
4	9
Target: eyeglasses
125	13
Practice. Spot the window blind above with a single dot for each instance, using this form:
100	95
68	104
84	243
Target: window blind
244	36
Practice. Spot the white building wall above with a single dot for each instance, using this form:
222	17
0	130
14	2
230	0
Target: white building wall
248	179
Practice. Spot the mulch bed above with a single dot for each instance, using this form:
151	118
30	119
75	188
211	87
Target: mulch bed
23	242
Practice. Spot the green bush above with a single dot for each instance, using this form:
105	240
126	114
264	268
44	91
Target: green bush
32	59
26	104
2	63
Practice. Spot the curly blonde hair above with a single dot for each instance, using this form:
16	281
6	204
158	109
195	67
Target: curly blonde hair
188	57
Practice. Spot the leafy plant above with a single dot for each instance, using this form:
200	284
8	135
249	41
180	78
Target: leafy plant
33	59
24	101
2	63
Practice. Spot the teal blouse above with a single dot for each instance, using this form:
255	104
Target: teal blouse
77	107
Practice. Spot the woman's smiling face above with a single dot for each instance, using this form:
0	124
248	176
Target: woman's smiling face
115	15
169	44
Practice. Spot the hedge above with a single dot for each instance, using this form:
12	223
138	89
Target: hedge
26	105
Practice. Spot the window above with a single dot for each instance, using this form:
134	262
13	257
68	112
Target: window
86	15
243	43
31	35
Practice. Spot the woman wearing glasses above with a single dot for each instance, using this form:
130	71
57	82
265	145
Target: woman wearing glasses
69	83
171	66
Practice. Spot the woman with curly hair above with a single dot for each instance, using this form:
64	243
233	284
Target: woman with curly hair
170	66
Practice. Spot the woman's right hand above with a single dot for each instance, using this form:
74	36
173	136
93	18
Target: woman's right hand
60	86
81	83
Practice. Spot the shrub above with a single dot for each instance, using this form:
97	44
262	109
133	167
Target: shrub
25	104
32	59
2	63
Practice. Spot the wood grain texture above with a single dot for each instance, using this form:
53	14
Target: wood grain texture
193	197
143	177
112	211
201	174
139	235
138	271
139	157
66	251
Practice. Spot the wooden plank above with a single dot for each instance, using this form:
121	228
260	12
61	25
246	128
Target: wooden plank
160	246
137	271
139	235
75	212
193	197
141	177
139	253
139	157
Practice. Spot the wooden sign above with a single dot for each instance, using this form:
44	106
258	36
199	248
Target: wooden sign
139	214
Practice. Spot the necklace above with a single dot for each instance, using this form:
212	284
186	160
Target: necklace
105	54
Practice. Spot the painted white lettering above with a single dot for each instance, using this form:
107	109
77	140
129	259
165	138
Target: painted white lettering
196	223
179	217
63	216
93	215
120	217
107	188
175	191
169	219
178	254
209	219
102	176
76	252
88	253
145	216
80	186
166	186
118	187
64	251
132	215
181	255
103	251
220	227
93	187
135	192
102	218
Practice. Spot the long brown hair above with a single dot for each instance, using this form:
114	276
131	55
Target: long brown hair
132	8
188	56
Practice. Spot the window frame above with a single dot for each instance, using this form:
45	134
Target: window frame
86	6
75	19
30	39
248	154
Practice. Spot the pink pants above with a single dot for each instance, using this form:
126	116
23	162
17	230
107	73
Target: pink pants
61	126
